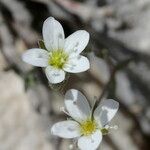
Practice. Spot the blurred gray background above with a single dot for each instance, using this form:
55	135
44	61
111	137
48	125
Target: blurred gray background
120	41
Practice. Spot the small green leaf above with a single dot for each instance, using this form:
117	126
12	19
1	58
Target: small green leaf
104	131
41	44
29	80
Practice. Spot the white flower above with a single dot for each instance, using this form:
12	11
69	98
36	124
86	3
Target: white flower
62	55
85	126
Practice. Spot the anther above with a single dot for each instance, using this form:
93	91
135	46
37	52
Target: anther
71	146
115	127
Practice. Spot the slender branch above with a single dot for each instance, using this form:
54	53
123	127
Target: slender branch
119	66
105	89
107	85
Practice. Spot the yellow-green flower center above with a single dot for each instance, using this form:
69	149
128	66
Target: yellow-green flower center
58	58
88	127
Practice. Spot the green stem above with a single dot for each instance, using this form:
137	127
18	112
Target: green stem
104	89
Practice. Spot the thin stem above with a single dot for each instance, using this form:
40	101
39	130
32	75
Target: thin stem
105	88
107	85
113	72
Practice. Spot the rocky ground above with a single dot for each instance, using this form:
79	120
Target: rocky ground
119	35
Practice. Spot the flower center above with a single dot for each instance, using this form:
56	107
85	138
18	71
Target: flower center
88	127
58	58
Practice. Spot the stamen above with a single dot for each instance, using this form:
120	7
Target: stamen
88	127
58	58
107	128
64	111
115	127
71	146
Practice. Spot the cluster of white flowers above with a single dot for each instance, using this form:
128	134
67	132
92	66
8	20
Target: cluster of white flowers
63	55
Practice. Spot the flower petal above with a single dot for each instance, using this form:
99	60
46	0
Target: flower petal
106	111
77	105
76	42
77	64
90	142
36	57
66	129
54	75
53	34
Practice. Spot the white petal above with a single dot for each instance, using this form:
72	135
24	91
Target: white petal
106	111
54	75
53	34
77	64
76	42
77	105
90	142
36	57
66	129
